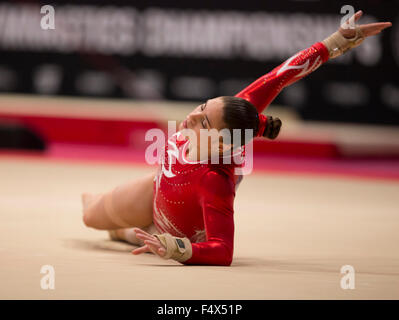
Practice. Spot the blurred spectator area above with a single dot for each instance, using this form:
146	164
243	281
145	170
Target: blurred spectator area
122	124
193	51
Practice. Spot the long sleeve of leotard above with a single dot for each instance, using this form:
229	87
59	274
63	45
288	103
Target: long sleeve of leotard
217	200
263	91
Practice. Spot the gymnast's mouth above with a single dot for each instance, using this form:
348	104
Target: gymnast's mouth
183	125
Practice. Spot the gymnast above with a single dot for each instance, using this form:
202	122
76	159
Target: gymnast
184	211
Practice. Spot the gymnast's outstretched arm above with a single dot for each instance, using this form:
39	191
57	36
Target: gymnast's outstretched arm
263	91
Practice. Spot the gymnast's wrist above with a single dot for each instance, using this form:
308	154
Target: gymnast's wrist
178	249
337	44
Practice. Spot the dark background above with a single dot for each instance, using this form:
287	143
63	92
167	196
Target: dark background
331	93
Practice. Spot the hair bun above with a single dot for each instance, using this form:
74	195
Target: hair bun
272	127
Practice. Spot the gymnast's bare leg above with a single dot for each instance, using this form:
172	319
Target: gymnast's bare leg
121	209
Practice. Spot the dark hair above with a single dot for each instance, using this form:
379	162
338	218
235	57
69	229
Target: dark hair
241	114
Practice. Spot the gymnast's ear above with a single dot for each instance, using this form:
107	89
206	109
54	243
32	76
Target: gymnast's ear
273	126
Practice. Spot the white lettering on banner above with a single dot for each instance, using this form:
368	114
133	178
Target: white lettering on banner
107	30
176	33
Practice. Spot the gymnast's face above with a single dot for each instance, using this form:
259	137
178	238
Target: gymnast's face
206	116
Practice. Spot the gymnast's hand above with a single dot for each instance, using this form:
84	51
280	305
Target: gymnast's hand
348	31
151	243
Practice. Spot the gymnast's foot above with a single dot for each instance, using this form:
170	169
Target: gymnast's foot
127	234
113	235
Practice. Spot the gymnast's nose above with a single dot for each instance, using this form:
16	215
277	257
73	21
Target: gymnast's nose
194	116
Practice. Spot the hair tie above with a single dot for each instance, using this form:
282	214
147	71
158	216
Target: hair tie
262	125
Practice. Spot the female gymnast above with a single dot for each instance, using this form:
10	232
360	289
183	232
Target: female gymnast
184	211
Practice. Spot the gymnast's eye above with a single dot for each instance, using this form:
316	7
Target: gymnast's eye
205	119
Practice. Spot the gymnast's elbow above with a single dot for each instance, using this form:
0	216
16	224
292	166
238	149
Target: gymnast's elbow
224	260
226	257
219	257
227	261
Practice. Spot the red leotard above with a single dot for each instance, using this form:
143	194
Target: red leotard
195	199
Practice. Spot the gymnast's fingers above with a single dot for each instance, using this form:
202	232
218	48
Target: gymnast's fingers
144	233
153	248
358	15
352	19
374	28
156	248
155	243
143	236
141	250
